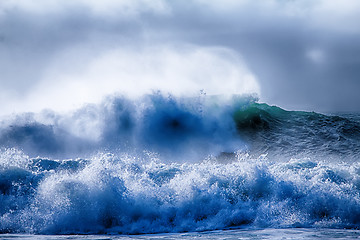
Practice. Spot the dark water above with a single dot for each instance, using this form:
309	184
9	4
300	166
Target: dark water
162	164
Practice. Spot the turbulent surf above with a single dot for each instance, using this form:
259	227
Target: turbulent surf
169	164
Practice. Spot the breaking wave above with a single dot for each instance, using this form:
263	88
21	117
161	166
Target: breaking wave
166	164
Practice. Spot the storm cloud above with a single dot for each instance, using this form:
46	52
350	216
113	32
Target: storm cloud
301	55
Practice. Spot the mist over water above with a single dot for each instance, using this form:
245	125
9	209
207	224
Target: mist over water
84	75
163	163
172	126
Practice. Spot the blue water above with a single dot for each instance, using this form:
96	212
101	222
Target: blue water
162	164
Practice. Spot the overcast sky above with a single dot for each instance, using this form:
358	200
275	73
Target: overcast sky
297	54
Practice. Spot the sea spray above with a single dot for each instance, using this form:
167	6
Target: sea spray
124	194
166	164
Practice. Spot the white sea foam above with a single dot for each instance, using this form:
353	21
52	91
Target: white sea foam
165	164
125	194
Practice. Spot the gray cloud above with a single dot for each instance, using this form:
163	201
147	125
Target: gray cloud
276	47
305	54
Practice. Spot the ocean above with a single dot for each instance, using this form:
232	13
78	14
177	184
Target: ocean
165	167
239	234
